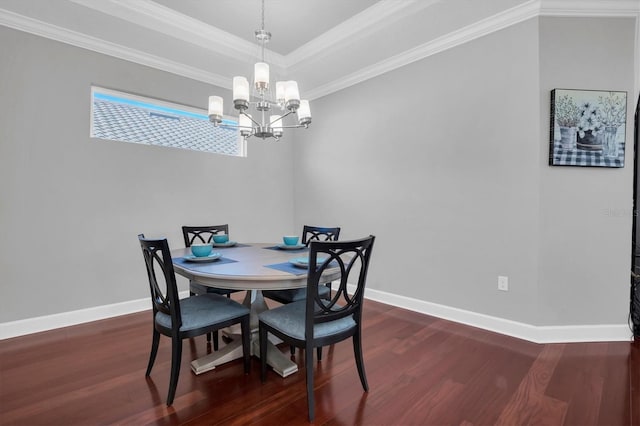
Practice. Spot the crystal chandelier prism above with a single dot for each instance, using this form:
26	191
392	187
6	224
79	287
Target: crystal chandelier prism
267	119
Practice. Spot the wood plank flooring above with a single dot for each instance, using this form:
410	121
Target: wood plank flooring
421	370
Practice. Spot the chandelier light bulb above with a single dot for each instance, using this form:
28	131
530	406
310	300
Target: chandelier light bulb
291	91
304	113
240	92
291	95
245	123
216	106
261	75
276	125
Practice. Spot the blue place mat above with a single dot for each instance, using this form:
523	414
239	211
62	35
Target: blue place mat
180	261
292	269
300	250
288	267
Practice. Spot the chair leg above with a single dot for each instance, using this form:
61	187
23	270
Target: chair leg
155	340
176	356
319	352
293	350
246	343
357	351
214	335
308	354
262	331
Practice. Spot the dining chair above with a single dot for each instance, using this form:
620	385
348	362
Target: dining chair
204	235
316	321
309	233
190	317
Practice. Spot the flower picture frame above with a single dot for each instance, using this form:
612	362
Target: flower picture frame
587	128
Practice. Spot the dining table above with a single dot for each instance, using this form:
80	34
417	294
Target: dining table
253	267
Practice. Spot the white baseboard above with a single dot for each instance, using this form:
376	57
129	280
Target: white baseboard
65	319
537	334
532	333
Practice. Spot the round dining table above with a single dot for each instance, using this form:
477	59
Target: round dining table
253	267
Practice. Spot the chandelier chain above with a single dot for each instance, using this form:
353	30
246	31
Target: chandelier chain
262	40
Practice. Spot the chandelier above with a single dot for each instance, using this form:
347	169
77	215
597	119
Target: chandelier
263	123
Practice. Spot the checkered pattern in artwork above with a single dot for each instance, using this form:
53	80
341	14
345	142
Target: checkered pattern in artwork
581	157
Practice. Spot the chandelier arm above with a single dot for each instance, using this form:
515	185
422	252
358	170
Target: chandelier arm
280	117
283	116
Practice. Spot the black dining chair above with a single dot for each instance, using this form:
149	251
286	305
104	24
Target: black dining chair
190	317
309	233
204	235
316	321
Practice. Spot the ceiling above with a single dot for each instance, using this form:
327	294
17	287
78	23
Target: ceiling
290	30
326	45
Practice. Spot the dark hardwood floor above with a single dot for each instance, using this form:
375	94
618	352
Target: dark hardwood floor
421	370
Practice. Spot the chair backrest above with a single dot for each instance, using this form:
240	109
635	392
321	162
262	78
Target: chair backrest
162	279
352	260
202	234
318	233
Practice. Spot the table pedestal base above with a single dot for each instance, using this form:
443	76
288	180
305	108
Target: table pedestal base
280	362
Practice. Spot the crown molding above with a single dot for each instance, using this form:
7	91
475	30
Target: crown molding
164	20
471	32
53	32
365	22
515	15
590	8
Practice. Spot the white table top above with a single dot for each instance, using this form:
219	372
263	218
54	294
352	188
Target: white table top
248	272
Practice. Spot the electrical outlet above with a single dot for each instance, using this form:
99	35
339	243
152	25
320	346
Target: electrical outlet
503	283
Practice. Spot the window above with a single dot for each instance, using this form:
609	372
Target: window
129	118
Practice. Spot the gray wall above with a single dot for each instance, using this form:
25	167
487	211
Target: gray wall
71	207
586	213
445	160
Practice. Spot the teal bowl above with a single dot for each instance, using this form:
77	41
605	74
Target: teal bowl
220	238
201	250
290	240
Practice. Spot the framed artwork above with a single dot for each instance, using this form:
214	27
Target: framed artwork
587	128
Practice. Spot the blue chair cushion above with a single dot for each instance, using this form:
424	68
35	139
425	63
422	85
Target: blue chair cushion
290	320
295	295
204	310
